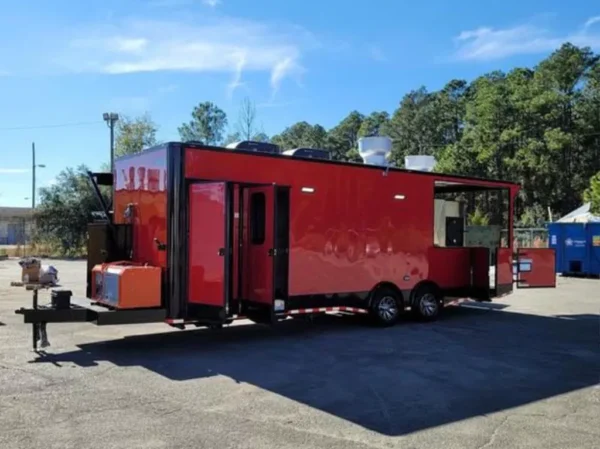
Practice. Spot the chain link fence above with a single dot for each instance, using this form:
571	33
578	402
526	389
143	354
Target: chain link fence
528	237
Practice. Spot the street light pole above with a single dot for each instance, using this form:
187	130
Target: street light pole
34	166
112	146
111	118
33	176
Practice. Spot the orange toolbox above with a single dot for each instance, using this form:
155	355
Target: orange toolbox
124	285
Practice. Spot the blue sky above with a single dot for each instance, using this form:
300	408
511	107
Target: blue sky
66	62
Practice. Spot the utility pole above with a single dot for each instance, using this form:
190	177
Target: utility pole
111	118
32	176
34	166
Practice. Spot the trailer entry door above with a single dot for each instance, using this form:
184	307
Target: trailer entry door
209	257
265	268
536	268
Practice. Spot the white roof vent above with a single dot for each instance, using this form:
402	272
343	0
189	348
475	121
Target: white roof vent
420	163
375	150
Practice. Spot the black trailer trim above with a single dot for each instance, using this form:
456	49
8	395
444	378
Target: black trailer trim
175	300
228	275
281	242
207	313
352	299
240	245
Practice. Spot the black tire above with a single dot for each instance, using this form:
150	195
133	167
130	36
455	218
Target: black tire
386	307
426	303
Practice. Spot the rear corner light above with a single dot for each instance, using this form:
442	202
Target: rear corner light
279	305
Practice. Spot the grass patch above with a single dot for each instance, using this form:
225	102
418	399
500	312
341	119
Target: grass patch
42	250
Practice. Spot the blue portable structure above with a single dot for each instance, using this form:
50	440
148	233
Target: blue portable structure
577	247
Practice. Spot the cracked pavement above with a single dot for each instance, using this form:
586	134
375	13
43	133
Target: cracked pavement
522	373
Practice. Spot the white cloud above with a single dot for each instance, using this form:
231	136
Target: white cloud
237	76
284	68
215	45
129	105
211	3
130	45
484	44
377	53
591	21
13	171
116	44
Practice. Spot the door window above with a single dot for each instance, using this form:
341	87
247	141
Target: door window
257	218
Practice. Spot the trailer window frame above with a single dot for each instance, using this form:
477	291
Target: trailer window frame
258	215
461	187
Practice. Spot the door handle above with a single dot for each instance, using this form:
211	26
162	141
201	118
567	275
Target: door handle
272	252
160	245
221	251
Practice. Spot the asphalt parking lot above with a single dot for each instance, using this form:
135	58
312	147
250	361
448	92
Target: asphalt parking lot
523	372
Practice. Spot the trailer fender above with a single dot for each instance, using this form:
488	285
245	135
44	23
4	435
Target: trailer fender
429	285
388	285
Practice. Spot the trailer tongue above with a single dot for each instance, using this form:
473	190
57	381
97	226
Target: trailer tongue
65	309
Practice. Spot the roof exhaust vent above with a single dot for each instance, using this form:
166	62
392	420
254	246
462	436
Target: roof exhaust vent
419	163
375	150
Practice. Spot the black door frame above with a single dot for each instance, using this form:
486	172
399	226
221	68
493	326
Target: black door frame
281	245
279	253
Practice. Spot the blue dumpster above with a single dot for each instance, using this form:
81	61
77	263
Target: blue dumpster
577	247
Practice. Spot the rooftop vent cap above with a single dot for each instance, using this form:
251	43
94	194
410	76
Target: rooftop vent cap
419	163
375	150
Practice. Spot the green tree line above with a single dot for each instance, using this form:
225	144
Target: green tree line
537	126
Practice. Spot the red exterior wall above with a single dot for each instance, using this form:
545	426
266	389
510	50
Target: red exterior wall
450	267
141	180
351	233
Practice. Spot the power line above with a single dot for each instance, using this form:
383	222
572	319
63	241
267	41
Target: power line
62	125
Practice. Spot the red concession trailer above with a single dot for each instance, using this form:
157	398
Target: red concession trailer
203	235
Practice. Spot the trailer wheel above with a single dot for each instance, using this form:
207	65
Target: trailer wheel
426	304
385	306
